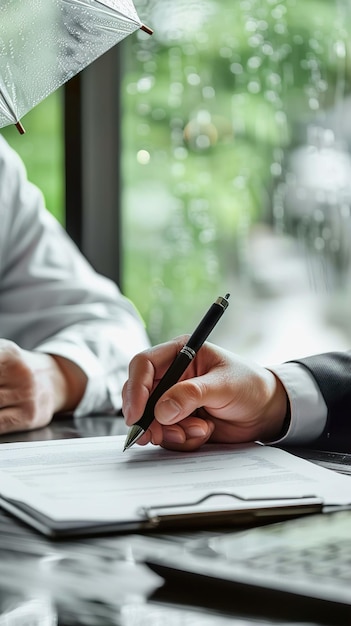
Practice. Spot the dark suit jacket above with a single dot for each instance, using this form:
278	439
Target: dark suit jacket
332	372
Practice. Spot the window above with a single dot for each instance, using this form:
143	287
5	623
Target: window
236	171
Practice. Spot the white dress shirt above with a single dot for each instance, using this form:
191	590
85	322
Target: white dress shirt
308	408
52	301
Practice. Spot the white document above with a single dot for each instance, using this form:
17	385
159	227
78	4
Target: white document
91	480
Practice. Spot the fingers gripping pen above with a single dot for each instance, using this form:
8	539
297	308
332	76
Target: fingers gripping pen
178	367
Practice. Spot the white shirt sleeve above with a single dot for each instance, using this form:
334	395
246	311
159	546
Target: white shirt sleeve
308	408
51	299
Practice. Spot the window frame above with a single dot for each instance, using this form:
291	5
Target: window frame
92	163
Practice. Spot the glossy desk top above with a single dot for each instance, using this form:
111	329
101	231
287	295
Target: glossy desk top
98	581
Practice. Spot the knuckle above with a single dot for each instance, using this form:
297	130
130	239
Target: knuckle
9	351
194	392
12	421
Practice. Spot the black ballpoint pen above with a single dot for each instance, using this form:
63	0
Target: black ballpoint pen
178	367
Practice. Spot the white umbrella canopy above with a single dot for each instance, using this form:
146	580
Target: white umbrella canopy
44	43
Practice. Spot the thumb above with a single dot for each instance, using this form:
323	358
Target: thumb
180	401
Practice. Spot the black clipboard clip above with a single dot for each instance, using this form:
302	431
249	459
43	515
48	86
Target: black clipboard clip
193	515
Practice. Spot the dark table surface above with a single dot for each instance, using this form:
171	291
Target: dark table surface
99	582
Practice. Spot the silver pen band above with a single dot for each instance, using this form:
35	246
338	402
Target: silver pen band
223	302
189	352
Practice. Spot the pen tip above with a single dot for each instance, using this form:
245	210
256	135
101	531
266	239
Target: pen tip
134	433
227	296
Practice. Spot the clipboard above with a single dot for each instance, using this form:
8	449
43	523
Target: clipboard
81	487
189	515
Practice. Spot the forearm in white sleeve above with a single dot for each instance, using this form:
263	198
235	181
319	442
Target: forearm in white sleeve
307	406
53	301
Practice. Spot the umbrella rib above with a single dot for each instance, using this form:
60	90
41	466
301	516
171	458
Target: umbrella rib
12	112
107	9
143	27
146	29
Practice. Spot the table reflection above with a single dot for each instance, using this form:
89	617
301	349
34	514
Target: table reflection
85	585
70	427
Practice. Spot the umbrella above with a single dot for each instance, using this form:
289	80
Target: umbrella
44	43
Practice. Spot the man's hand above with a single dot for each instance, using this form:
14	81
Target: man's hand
221	397
34	386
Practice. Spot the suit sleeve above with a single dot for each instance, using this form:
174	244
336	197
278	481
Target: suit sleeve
332	373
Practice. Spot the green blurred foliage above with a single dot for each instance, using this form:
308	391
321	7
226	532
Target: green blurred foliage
41	148
209	112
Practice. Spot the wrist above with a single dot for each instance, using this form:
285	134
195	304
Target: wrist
277	413
68	383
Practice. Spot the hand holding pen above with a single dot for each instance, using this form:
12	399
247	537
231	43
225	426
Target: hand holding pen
221	397
177	368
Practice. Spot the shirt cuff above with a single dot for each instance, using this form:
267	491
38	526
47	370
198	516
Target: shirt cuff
308	408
